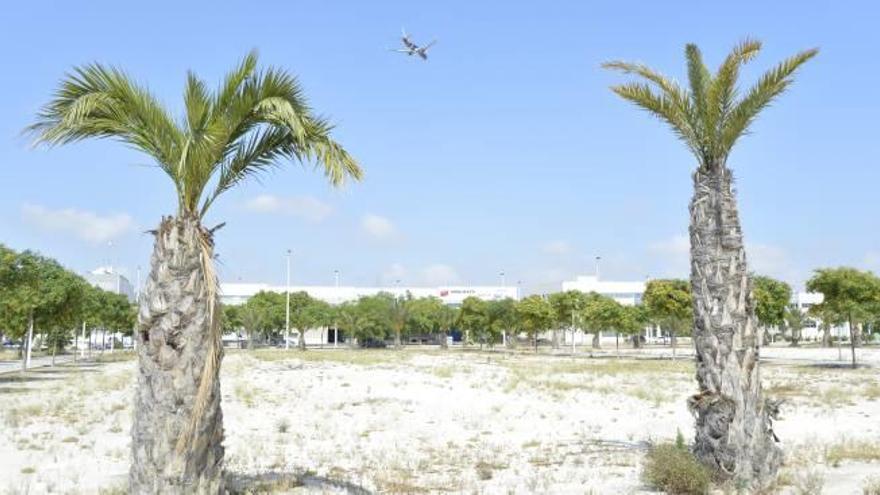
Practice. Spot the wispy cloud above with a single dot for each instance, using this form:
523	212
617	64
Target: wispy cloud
440	274
378	227
82	224
308	208
557	247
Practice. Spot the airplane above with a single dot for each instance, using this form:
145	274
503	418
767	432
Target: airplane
411	48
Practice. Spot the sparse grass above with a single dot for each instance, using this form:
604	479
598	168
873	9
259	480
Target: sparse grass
852	450
809	482
70	440
114	490
28	470
673	469
116	356
358	357
871	486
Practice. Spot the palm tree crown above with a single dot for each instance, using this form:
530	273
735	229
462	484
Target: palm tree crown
709	115
254	120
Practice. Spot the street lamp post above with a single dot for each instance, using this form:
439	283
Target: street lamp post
287	309
598	258
502	279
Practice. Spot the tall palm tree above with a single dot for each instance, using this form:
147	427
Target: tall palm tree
255	120
733	433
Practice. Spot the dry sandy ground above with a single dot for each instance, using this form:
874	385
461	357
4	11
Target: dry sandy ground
434	421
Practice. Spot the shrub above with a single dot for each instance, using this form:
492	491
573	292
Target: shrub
871	486
672	468
809	483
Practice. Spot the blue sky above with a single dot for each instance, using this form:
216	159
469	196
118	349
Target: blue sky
505	151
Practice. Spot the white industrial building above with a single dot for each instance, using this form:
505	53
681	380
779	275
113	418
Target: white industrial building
239	293
812	327
108	279
626	293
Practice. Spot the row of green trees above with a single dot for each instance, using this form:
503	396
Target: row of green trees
384	317
39	297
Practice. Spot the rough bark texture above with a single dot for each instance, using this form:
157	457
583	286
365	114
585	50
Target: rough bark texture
734	433
178	348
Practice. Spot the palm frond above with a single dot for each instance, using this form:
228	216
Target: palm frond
95	101
773	83
665	84
662	107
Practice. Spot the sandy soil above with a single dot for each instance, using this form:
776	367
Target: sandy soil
434	421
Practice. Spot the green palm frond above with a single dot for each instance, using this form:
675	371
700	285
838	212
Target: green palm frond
102	102
707	116
676	113
772	84
255	120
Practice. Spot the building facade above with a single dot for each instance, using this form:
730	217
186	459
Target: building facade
239	293
108	279
626	293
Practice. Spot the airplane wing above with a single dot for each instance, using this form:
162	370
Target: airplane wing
429	45
423	54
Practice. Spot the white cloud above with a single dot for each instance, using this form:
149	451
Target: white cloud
377	226
308	208
440	274
556	247
84	225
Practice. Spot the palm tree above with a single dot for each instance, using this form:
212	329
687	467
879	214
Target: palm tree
255	120
733	434
795	319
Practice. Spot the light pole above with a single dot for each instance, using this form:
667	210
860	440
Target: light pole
336	297
598	258
287	311
502	279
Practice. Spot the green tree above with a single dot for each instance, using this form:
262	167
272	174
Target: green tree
849	295
373	318
271	307
473	319
567	307
734	437
535	316
254	120
771	298
502	319
599	314
398	315
795	319
670	306
302	318
425	316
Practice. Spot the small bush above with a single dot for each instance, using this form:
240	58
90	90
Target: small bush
809	483
283	425
871	486
673	469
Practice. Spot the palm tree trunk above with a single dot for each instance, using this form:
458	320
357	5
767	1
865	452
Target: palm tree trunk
597	336
826	335
734	436
178	424
397	343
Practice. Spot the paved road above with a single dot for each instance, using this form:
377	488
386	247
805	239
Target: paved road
36	362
